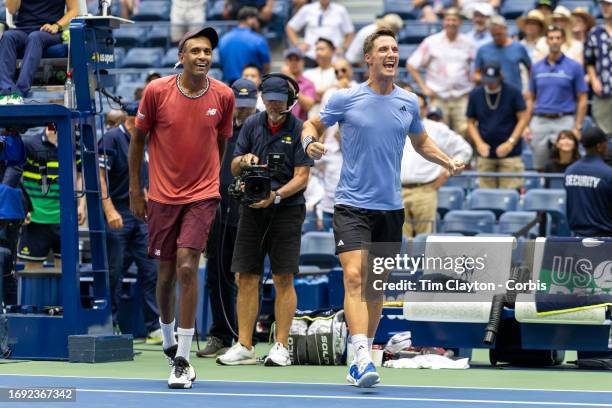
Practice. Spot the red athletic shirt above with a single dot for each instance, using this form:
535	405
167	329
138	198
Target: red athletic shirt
184	159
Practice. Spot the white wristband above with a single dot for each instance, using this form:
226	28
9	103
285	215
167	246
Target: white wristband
307	141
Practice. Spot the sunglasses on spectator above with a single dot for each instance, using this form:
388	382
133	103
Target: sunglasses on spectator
340	70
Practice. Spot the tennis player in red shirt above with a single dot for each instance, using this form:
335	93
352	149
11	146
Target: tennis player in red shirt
186	120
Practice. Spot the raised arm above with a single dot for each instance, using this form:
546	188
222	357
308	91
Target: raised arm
311	138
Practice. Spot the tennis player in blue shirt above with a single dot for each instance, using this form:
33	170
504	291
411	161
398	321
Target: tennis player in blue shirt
374	119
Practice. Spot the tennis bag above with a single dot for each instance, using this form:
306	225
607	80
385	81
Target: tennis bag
318	338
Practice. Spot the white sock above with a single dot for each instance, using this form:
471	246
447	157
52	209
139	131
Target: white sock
360	343
167	334
370	343
185	337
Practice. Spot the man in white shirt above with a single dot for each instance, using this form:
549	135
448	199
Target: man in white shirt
447	57
321	19
354	53
421	178
323	76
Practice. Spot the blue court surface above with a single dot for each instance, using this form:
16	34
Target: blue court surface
115	392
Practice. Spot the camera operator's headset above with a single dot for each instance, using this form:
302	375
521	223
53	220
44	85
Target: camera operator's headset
294	88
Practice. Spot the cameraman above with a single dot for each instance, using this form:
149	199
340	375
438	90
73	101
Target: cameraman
271	226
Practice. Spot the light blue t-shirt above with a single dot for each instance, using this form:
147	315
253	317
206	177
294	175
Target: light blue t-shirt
509	59
373	131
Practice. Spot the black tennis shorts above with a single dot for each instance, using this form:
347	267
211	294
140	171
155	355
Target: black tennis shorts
275	231
354	227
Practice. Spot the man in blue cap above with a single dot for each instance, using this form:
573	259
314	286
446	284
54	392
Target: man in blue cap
271	226
220	281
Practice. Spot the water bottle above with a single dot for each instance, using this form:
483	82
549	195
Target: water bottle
69	98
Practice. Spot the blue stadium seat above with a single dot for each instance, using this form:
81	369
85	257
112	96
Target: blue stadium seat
450	198
158	36
415	32
119	56
533	182
418	242
143	58
405	51
170	58
129	36
126	90
590	5
551	202
56	51
214	9
153	11
512	221
318	248
496	200
548	200
515	8
216	73
466	183
401	7
469	222
527	157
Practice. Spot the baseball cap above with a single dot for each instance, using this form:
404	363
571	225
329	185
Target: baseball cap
275	89
131	108
498	21
605	1
245	92
491	72
548	3
293	51
593	136
207	32
434	112
483	8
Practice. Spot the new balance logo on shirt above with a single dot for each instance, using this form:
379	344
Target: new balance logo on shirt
211	112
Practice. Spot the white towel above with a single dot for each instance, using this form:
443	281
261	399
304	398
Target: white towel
433	361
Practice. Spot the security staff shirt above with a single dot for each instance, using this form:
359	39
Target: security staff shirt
588	183
257	138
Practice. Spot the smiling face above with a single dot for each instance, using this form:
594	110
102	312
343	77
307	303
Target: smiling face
383	58
196	56
554	40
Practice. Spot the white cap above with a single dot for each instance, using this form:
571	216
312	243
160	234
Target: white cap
486	9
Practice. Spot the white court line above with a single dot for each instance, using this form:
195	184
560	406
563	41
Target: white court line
348	397
310	383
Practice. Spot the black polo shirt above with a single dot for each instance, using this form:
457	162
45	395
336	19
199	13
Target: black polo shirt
113	154
588	184
257	138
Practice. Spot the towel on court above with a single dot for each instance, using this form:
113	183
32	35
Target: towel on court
431	361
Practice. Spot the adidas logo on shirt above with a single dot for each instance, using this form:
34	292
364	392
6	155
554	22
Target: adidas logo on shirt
340	243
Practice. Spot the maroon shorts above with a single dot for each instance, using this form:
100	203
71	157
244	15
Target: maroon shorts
179	226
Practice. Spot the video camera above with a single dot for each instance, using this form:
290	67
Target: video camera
253	184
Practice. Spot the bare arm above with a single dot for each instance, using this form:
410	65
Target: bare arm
416	75
504	149
293	37
135	158
347	41
305	102
477	75
581	108
113	218
297	183
427	148
222	145
72	10
13	6
81	210
314	128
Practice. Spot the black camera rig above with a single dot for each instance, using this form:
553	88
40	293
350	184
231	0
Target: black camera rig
253	184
